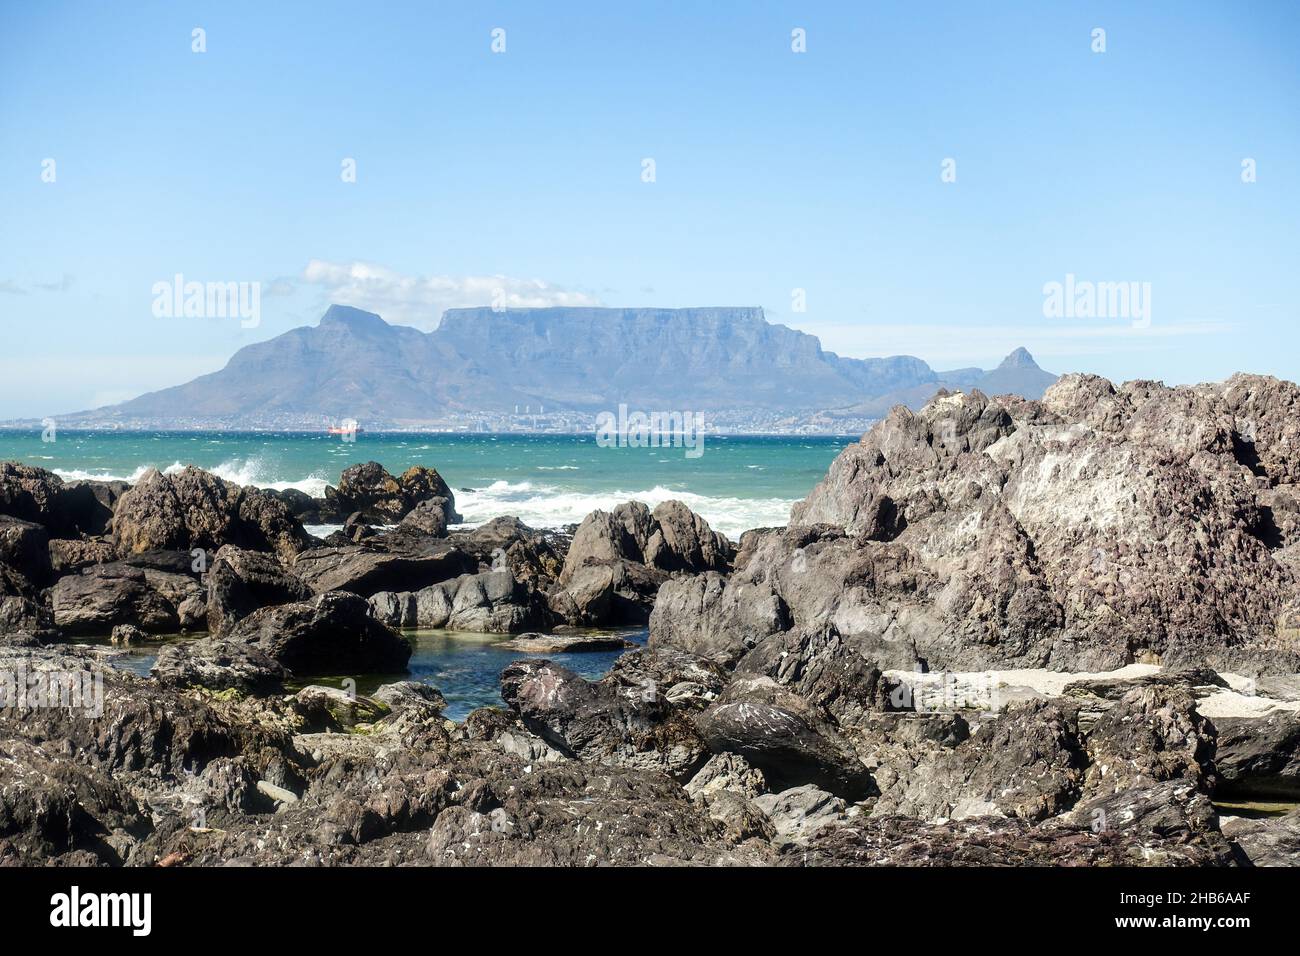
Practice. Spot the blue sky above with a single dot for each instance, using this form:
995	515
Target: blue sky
774	171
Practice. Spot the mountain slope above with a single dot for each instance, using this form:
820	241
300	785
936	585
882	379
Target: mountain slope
480	361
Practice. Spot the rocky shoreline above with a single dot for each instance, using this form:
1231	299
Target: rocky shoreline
1000	631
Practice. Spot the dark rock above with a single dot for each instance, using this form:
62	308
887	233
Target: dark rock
194	509
24	546
382	499
995	841
1265	841
105	595
70	555
428	517
612	592
491	602
603	721
702	616
239	582
331	634
218	665
1097	527
125	635
785	736
370	568
1258	756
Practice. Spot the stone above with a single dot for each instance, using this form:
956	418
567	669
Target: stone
331	634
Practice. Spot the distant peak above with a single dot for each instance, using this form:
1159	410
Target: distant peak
346	315
1020	358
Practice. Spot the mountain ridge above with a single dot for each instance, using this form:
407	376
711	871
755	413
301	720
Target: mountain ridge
579	360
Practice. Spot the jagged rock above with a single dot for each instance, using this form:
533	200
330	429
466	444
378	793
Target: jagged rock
727	772
671	538
428	517
71	555
491	602
1153	735
1258	756
506	543
330	708
218	665
24	546
996	841
382	499
785	736
799	812
21	606
1265	841
1027	763
194	509
105	595
36	495
331	634
92	503
1086	531
124	635
372	567
604	721
701	615
239	582
680	540
609	592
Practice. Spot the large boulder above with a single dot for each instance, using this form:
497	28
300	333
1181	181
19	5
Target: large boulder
36	495
193	509
333	633
534	557
1095	528
606	721
491	602
791	740
671	538
239	582
382	499
218	665
24	546
614	591
378	565
105	595
1258	756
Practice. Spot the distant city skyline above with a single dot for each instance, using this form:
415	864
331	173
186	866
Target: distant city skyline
905	178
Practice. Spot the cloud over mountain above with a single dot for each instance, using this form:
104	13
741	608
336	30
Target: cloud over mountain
420	301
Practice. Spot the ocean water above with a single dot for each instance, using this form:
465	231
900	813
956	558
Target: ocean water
464	666
548	481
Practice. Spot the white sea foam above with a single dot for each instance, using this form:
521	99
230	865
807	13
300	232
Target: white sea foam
249	471
537	505
545	507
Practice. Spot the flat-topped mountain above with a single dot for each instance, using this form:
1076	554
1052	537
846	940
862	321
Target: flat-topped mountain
353	364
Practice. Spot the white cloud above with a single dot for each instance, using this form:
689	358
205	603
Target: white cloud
421	300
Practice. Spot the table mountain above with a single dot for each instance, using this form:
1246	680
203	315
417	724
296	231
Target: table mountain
480	361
